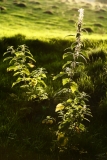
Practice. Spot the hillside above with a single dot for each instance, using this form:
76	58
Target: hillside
50	18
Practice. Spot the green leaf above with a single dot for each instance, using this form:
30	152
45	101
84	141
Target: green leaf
68	62
59	75
76	100
7	58
15	68
69	100
25	71
65	81
9	50
43	83
17	81
74	87
73	45
5	53
83	57
59	107
82	127
31	65
12	60
43	75
78	107
28	52
67	54
19	54
26	79
15	74
30	58
24	86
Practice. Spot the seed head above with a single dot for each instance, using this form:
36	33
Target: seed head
81	14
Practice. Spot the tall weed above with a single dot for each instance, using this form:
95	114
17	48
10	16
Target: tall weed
21	62
72	109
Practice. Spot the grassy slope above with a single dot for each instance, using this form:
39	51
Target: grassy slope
32	21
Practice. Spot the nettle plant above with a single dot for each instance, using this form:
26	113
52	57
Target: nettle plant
30	79
73	109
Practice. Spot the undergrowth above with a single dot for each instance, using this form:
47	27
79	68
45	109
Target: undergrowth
23	124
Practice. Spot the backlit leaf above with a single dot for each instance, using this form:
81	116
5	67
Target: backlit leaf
69	100
68	62
65	81
74	87
7	58
17	81
59	75
15	68
31	58
67	54
59	107
31	65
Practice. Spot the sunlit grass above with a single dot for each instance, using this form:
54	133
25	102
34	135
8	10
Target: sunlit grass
34	23
48	34
35	33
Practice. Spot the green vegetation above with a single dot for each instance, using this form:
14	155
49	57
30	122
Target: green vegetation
32	81
42	118
49	18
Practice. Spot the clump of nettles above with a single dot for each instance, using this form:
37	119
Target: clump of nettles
29	78
72	109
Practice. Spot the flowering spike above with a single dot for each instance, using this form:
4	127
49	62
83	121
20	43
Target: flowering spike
81	15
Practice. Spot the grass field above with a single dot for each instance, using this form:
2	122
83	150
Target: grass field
50	18
43	25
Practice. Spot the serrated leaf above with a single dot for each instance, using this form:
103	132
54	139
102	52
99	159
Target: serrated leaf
43	83
24	86
43	75
5	59
15	68
65	81
68	62
31	65
25	71
26	79
67	48
28	52
9	50
67	54
79	107
74	87
59	107
12	60
31	58
15	74
82	127
14	84
69	100
19	54
17	81
73	45
83	57
5	53
59	75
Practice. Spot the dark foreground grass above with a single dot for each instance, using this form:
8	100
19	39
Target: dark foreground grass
22	134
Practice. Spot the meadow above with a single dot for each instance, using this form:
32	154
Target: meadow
48	28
